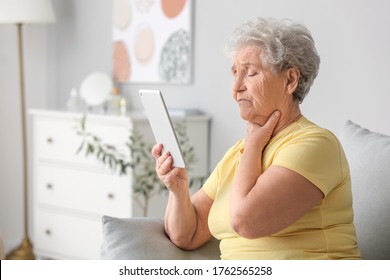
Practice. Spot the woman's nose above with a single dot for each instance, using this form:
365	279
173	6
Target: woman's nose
238	84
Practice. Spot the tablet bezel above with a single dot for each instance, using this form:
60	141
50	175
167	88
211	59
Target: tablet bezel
161	124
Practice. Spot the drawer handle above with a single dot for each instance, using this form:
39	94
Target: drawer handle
49	186
49	140
110	196
48	232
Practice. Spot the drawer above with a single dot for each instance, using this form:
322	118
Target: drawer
57	139
80	190
66	237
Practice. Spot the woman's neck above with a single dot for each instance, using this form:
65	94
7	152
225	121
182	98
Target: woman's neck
287	118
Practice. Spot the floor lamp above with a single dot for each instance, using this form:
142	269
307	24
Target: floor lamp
22	12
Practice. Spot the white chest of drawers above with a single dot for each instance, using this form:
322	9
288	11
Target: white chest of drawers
71	192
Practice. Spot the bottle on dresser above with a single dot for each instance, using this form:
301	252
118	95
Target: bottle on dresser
116	103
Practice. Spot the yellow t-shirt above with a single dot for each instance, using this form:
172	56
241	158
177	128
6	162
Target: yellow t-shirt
325	232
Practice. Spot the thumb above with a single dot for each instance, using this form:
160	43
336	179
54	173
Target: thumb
272	120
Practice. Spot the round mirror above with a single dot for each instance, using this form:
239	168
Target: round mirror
95	88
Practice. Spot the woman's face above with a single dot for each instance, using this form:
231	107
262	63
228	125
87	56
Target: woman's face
257	90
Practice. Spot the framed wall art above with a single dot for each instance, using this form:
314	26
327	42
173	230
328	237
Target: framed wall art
152	41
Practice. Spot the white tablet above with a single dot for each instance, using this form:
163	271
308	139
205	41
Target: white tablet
161	124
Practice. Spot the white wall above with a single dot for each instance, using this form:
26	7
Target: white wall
352	38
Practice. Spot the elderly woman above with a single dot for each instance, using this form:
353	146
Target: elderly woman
283	192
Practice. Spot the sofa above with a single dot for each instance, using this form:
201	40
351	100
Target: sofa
368	154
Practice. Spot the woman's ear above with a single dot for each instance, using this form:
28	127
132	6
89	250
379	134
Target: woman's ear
292	74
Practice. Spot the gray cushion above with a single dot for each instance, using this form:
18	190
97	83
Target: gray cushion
368	154
145	238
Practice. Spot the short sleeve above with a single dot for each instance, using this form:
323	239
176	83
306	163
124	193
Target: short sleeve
317	156
224	171
211	184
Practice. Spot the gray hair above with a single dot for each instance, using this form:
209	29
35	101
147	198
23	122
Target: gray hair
284	44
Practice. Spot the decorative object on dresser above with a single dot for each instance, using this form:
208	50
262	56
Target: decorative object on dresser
141	164
95	89
21	12
71	192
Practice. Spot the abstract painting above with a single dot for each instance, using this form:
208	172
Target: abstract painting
152	41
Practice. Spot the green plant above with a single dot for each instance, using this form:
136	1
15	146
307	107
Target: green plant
135	157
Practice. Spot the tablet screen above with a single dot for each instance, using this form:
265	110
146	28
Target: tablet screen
161	124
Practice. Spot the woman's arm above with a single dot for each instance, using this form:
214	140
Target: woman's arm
263	203
185	217
186	220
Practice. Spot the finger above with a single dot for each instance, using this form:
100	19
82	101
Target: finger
272	120
156	150
166	165
162	159
171	177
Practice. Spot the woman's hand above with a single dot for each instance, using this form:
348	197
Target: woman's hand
261	134
174	178
185	216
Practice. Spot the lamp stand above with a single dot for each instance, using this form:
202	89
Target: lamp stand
25	250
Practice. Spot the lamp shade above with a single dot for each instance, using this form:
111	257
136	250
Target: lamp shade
26	11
